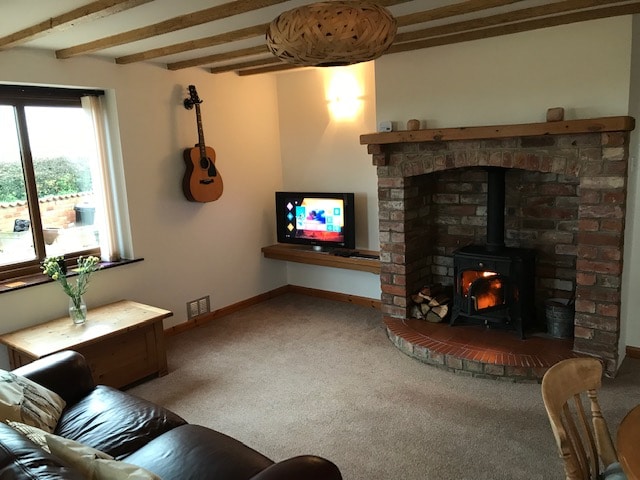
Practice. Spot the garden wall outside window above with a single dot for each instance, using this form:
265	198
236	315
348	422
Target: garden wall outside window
54	188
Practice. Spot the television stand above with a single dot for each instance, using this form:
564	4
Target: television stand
365	262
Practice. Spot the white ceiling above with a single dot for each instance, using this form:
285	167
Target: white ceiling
16	15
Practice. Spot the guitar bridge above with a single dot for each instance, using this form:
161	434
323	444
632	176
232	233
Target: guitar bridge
206	181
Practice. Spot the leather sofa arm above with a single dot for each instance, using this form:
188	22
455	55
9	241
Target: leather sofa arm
308	467
65	373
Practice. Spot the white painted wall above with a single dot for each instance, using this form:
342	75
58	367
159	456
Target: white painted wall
510	79
322	153
189	249
631	268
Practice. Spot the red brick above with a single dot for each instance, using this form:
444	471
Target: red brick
557	189
615	168
589	196
609	253
585	306
394	311
380	160
608	310
612	225
599	294
583	278
598	267
589	225
394	247
582	332
617	198
592	238
613	139
394	289
400	301
588	252
398	258
602	183
600	211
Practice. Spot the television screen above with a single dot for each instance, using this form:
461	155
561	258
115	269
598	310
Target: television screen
318	219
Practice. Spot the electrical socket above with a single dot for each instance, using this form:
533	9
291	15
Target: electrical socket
198	307
192	309
203	305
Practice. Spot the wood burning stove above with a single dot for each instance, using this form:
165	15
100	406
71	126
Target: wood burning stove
494	288
494	284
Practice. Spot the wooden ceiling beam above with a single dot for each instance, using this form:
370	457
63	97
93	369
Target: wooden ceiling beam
227	37
503	18
233	36
456	9
269	69
506	29
219	57
249	64
92	11
207	15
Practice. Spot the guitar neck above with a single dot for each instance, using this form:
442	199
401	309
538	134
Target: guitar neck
201	143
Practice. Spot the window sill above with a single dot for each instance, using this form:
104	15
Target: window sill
27	281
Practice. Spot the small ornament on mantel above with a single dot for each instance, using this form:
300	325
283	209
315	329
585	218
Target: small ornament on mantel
555	114
413	124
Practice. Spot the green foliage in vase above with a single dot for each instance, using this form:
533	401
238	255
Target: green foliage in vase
55	268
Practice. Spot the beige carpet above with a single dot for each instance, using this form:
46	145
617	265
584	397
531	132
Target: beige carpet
298	374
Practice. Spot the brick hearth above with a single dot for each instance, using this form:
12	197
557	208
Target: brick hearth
566	186
477	351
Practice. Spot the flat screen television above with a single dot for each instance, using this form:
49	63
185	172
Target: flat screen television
322	220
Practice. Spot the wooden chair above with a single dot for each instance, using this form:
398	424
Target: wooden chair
586	449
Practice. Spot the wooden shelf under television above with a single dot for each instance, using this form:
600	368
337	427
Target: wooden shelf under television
304	254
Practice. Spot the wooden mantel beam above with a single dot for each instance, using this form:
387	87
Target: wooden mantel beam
567	127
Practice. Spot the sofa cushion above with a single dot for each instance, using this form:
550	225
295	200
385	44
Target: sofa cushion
23	400
35	434
94	464
75	453
193	452
21	459
115	422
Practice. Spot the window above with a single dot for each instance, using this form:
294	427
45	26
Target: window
53	186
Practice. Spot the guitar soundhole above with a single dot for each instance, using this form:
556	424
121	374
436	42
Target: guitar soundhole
204	162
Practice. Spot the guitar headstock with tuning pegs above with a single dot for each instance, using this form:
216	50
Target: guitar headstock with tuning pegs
193	98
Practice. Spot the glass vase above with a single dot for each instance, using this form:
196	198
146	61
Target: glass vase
77	310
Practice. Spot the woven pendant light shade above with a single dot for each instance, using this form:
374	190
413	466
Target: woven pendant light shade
335	33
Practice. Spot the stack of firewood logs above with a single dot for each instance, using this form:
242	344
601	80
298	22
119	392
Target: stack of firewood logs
431	303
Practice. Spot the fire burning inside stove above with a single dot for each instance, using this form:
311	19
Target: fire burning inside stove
485	288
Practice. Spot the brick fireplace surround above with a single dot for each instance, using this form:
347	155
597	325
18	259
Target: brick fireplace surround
566	185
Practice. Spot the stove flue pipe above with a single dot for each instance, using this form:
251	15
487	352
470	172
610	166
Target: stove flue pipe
495	208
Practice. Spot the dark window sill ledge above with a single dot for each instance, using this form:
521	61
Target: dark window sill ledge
27	281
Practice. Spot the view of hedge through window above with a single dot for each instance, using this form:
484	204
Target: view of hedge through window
54	176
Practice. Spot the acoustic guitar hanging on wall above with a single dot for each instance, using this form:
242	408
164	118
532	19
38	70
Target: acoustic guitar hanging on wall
202	181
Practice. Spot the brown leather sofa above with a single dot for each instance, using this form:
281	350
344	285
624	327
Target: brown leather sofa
138	432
